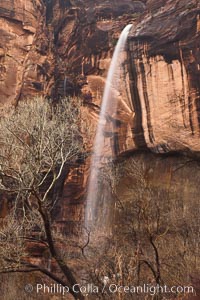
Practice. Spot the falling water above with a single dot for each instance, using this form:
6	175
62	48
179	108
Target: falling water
102	152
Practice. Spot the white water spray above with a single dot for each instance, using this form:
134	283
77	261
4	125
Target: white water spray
102	142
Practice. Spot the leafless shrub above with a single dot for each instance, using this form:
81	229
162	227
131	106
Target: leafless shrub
38	141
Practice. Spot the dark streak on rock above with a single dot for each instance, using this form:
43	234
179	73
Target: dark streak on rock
138	132
145	93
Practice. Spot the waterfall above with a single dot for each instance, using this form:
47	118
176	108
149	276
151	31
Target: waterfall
102	152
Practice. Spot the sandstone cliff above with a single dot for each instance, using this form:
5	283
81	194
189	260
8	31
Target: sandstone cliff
57	48
24	48
164	67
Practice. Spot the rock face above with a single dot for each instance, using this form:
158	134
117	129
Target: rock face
56	49
164	67
53	47
21	58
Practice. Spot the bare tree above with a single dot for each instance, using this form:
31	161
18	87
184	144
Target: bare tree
38	141
151	241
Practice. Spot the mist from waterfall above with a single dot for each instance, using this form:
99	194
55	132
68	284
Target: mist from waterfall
102	153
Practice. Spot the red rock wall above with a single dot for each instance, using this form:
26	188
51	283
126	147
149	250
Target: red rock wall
24	50
164	65
59	48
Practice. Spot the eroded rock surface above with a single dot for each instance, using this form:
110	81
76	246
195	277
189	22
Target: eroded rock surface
22	50
56	49
164	66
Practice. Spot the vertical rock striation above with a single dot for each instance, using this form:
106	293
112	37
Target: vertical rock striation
24	50
165	76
